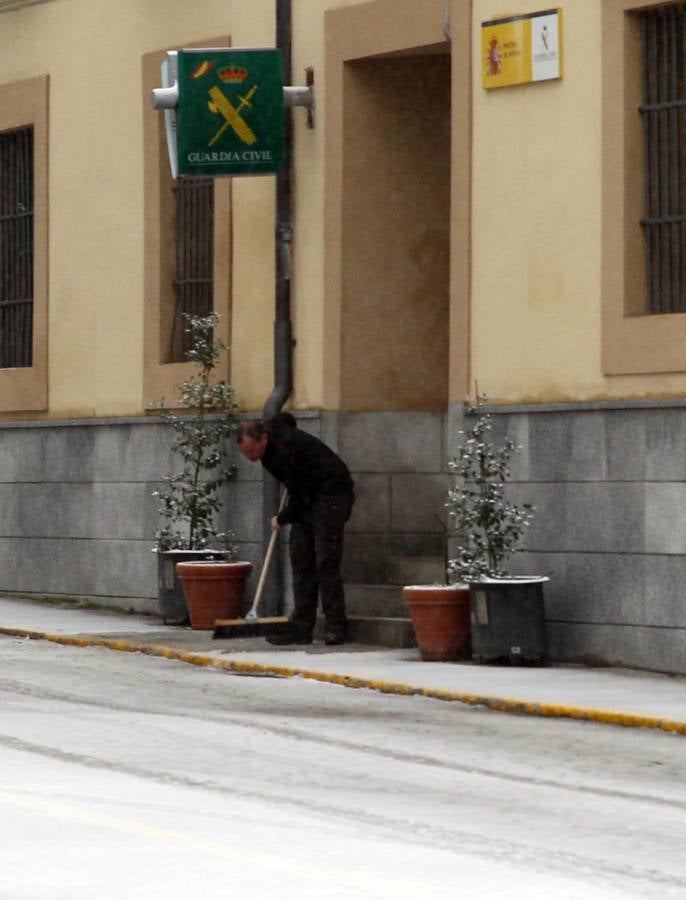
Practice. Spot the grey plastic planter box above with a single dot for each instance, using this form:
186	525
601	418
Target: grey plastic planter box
508	620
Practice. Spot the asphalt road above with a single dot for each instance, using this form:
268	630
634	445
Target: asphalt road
125	776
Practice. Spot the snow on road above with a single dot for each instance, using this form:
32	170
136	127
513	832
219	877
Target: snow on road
127	777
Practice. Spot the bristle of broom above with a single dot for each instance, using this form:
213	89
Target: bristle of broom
235	628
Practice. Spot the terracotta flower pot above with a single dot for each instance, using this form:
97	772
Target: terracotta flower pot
171	599
213	589
441	620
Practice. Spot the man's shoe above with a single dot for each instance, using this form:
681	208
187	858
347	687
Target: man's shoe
332	638
283	640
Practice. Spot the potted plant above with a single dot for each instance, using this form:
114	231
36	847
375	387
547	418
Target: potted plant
190	498
213	590
440	616
507	613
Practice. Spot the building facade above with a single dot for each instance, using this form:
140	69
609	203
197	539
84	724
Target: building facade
450	238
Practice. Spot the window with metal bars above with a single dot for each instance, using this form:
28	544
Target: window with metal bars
194	279
16	248
664	125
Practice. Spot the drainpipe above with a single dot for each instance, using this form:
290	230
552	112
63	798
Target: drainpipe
283	331
446	20
283	337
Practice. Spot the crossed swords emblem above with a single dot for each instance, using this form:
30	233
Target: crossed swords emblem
220	104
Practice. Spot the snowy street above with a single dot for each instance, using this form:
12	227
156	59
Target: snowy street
127	777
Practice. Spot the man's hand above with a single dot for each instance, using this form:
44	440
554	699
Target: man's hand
275	524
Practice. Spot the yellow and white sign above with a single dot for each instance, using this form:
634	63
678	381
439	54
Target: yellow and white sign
521	49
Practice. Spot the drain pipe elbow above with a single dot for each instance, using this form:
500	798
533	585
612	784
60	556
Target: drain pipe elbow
283	368
446	20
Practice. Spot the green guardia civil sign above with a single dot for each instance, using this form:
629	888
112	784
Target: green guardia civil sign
231	113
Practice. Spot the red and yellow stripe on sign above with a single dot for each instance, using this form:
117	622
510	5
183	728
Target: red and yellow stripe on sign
202	69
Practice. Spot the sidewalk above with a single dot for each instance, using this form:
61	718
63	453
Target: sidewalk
611	696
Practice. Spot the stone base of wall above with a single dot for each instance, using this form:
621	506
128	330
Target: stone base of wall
77	515
609	487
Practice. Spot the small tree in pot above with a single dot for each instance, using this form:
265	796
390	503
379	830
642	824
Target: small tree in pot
488	527
507	612
190	499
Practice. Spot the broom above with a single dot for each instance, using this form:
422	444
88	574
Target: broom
252	625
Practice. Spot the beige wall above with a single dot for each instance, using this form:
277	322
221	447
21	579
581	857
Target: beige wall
253	219
536	224
253	25
312	384
526	267
92	50
537	287
253	210
389	299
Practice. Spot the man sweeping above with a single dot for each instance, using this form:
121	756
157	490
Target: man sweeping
320	500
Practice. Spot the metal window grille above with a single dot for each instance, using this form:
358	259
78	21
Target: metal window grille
193	284
16	248
664	124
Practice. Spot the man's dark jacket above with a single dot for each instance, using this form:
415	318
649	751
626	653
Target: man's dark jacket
306	467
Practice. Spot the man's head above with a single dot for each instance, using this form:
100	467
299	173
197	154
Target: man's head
252	438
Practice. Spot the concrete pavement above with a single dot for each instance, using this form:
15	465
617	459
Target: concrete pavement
610	696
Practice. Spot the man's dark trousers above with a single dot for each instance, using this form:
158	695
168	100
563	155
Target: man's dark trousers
316	550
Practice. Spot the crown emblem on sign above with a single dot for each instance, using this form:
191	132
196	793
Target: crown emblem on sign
233	73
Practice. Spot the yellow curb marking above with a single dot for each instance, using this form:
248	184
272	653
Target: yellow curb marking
496	704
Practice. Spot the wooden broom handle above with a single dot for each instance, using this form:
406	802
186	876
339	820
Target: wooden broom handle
267	559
